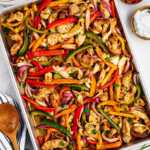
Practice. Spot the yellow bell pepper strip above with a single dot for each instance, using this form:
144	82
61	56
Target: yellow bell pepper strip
71	109
79	147
7	26
113	124
38	42
93	86
58	3
60	22
100	55
109	102
100	141
121	114
107	77
111	82
122	41
106	145
117	87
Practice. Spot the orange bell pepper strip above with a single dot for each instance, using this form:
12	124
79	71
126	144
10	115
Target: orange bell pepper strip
93	86
111	92
100	55
38	42
37	106
79	147
57	46
106	145
121	114
49	131
66	112
66	81
58	3
52	83
76	63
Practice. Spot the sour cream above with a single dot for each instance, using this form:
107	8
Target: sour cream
142	23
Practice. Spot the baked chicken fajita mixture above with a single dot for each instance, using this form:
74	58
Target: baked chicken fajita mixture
76	75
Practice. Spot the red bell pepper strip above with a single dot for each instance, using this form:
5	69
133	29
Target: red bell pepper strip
37	21
61	22
112	7
43	5
47	53
76	119
111	82
95	15
37	106
42	71
38	84
37	65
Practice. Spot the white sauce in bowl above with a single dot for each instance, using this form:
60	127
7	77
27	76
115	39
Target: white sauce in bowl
142	23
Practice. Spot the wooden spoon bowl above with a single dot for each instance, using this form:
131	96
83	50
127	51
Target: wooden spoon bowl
9	122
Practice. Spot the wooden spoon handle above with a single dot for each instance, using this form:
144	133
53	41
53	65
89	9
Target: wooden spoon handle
14	141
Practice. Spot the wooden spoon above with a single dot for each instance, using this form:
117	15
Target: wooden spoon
9	123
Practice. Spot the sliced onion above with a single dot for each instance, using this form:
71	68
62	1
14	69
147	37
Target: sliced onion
95	4
95	111
22	69
67	97
110	140
28	90
135	78
87	19
127	66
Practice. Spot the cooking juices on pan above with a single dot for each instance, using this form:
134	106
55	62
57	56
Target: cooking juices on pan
76	75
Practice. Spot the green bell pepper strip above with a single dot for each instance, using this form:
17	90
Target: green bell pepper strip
80	49
40	113
34	29
78	87
24	48
113	124
55	125
97	39
138	91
